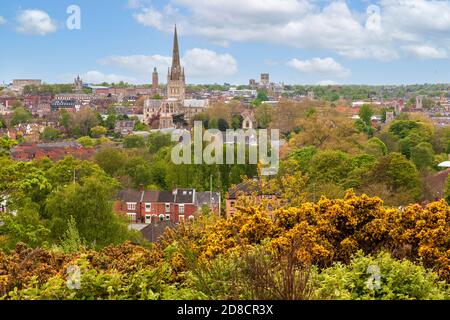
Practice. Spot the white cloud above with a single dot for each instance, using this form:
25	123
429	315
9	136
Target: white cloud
95	76
207	63
222	43
134	4
2	20
327	83
150	17
35	22
199	63
325	66
379	32
426	52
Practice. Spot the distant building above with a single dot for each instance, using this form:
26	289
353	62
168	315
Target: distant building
151	206
252	83
164	111
4	110
68	105
191	107
19	84
244	189
124	127
55	151
419	102
311	95
390	116
78	84
81	99
155	81
265	79
248	119
242	93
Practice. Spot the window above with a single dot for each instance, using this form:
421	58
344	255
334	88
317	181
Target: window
148	218
131	216
181	217
167	217
191	218
181	208
148	207
167	207
131	205
161	217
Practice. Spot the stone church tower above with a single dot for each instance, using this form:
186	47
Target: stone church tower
78	85
155	82
175	76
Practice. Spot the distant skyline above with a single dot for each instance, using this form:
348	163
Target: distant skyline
313	42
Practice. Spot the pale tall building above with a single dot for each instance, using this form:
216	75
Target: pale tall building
175	76
419	102
265	79
78	85
175	104
19	84
155	79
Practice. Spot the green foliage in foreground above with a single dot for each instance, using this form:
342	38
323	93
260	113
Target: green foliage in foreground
398	280
231	278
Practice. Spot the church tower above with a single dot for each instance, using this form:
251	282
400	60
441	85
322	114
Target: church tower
155	82
175	77
78	84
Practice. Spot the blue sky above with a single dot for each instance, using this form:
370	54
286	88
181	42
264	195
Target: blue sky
296	41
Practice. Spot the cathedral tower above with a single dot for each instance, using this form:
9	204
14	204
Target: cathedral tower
175	77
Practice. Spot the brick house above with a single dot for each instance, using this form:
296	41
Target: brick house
54	151
124	127
147	206
244	189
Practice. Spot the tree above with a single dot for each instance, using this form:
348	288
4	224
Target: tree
156	141
398	174
422	155
64	119
3	123
90	206
366	113
111	160
447	191
222	124
134	141
71	241
375	147
6	144
82	122
381	277
21	115
86	142
25	227
98	131
331	166
50	134
263	115
409	142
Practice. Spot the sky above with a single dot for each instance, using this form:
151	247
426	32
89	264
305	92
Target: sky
227	41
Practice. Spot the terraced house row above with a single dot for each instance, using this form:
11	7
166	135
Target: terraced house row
149	206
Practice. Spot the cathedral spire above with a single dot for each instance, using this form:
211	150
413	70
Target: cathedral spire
176	52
